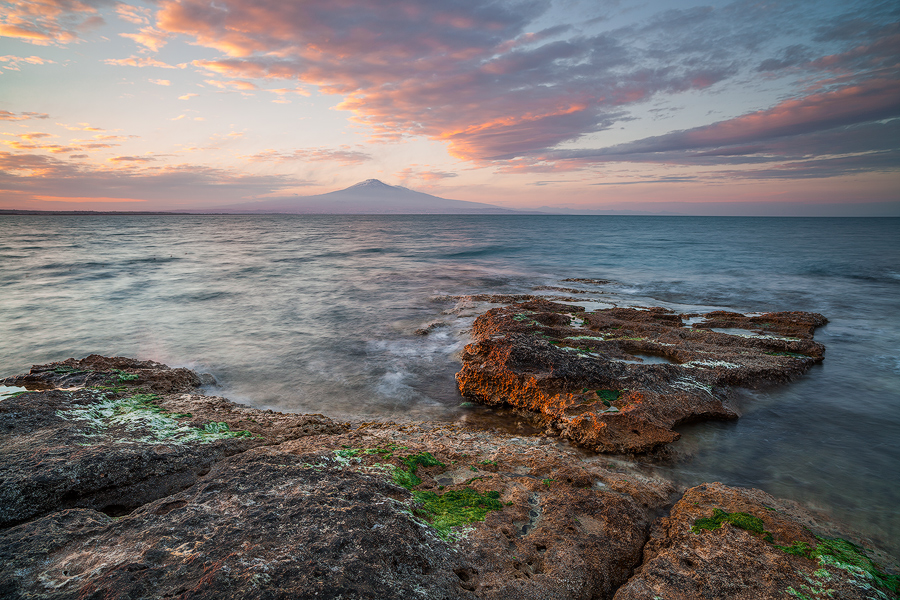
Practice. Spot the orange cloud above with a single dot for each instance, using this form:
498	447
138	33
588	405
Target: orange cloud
6	115
133	14
15	61
150	38
34	135
234	83
44	22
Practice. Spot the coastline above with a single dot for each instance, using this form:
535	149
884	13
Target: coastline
122	480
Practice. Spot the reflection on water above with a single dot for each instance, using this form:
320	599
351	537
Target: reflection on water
318	314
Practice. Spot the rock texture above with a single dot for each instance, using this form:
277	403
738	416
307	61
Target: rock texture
110	490
620	379
78	441
685	562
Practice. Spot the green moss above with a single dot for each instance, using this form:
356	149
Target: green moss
738	519
122	376
844	555
848	556
788	354
456	508
67	370
140	416
608	395
407	477
797	548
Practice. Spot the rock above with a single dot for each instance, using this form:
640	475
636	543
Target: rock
687	559
620	379
96	370
260	525
115	447
116	492
430	327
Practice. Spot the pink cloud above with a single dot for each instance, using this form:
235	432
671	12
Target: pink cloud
343	155
464	72
45	22
149	37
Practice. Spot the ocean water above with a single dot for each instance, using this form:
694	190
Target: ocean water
318	314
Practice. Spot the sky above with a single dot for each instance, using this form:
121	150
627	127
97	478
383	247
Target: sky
748	107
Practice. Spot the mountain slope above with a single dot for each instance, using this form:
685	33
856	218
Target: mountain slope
367	197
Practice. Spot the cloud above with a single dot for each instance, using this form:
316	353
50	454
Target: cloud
187	97
412	173
344	154
872	100
468	73
160	81
81	127
131	159
284	91
50	21
152	39
473	75
6	115
138	61
133	14
35	176
234	83
34	135
13	62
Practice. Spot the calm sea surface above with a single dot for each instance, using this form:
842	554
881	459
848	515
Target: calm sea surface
318	313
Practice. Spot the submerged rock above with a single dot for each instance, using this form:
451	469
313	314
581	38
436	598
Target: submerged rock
620	379
112	491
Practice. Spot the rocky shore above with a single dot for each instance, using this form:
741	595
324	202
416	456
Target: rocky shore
120	479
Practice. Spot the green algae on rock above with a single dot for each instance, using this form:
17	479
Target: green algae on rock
138	419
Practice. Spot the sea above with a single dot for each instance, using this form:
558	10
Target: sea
318	313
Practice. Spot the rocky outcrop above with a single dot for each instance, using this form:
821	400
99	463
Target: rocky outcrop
112	491
94	433
620	379
722	542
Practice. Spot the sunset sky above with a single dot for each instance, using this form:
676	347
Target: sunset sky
756	107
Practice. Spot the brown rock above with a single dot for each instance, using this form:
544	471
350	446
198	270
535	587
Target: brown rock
734	563
620	379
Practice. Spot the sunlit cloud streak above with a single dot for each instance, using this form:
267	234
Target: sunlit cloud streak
182	184
344	155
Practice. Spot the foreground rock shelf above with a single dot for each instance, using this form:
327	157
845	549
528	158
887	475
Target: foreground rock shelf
621	379
119	479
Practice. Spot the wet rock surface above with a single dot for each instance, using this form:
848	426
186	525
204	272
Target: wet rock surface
764	549
94	433
116	491
620	379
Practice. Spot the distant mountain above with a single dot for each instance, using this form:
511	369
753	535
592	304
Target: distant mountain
367	197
